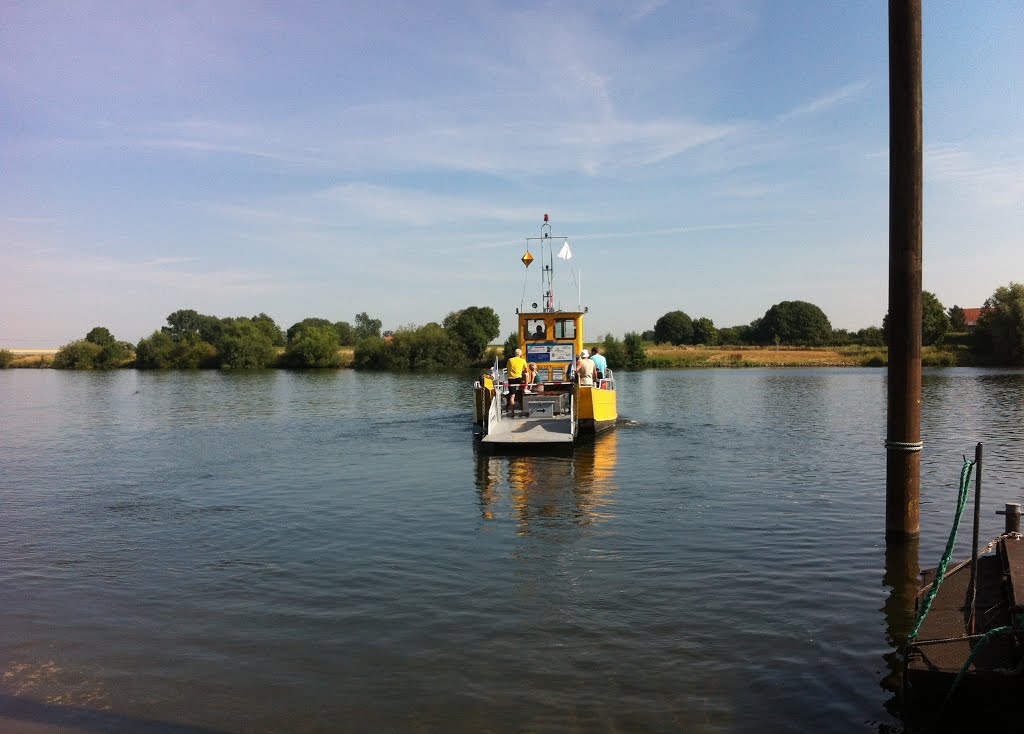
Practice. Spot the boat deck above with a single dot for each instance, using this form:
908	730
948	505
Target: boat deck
556	430
946	641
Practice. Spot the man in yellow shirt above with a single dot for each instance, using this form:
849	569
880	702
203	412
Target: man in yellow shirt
516	367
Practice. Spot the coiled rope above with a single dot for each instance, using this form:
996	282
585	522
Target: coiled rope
908	446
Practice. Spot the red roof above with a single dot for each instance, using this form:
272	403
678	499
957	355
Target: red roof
971	315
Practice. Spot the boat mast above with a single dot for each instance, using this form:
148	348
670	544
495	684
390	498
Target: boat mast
547	262
548	269
547	241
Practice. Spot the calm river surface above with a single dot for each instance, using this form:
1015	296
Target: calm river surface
203	552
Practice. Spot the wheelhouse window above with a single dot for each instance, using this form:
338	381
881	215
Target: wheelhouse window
565	329
535	329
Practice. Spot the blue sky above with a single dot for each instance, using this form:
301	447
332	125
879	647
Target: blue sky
322	159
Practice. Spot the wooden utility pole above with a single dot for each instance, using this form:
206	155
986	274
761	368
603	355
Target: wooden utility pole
903	438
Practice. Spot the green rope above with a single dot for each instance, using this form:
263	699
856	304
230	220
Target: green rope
978	647
1015	626
965	483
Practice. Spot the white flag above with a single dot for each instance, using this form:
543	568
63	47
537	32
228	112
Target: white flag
565	253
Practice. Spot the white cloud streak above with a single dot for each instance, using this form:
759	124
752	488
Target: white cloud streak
993	184
836	97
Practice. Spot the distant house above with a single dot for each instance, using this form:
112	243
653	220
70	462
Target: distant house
971	316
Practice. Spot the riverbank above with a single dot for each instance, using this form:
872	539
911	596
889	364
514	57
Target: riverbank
664	356
667	356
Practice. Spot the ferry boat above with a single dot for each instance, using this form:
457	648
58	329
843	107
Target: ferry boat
555	409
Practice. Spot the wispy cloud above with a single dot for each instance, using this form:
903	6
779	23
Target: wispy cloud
644	9
161	261
418	208
827	101
157	272
661	232
505	147
989	182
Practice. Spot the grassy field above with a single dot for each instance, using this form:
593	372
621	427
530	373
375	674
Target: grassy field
697	356
664	355
32	357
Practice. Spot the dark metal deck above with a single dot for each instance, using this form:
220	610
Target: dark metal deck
947	638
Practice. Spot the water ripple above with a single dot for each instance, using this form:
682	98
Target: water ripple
284	551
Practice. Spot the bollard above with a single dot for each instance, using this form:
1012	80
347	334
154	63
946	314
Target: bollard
1012	513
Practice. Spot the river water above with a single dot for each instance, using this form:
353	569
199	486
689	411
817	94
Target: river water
328	551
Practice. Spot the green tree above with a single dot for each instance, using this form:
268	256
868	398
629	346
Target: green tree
154	352
314	346
935	323
114	353
421	348
510	346
999	334
243	345
372	353
429	347
346	334
269	327
298	326
99	350
649	336
474	327
78	355
934	320
794	322
366	327
739	335
871	336
160	351
614	352
100	335
731	335
188	324
957	319
674	327
6	358
841	337
704	332
636	357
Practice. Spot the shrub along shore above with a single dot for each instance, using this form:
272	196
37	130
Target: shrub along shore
658	357
790	334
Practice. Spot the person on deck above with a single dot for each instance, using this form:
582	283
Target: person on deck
516	367
585	369
600	363
531	379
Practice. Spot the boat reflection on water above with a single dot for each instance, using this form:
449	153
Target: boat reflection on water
545	492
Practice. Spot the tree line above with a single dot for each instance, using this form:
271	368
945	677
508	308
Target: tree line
998	337
193	340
